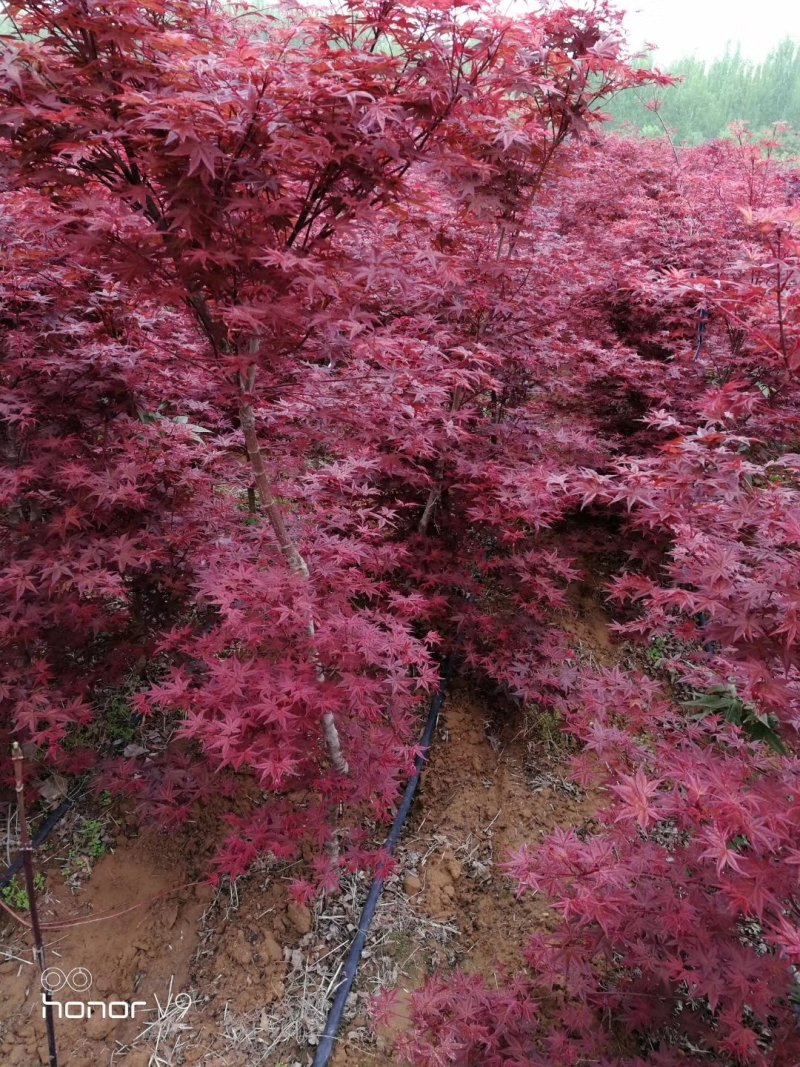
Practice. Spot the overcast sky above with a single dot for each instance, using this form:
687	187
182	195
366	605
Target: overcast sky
702	27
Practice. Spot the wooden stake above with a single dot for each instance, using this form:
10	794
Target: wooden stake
26	848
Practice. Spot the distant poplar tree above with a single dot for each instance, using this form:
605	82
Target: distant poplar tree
712	95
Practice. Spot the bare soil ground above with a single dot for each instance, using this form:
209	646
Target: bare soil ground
242	977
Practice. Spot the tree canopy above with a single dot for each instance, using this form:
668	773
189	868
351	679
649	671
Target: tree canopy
712	95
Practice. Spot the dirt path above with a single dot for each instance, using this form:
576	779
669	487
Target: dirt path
483	795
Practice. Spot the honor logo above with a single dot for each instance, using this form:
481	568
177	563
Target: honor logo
79	980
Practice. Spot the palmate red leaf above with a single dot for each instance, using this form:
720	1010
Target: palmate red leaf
635	792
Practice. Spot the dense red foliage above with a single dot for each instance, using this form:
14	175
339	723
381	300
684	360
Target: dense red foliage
319	336
681	912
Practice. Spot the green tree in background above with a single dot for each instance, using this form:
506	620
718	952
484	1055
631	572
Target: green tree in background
710	96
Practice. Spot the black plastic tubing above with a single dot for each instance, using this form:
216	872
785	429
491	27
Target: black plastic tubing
326	1041
43	832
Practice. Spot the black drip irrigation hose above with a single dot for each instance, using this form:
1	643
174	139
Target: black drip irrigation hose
325	1046
44	831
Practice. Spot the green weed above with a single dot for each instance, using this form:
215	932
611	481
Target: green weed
15	894
725	702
